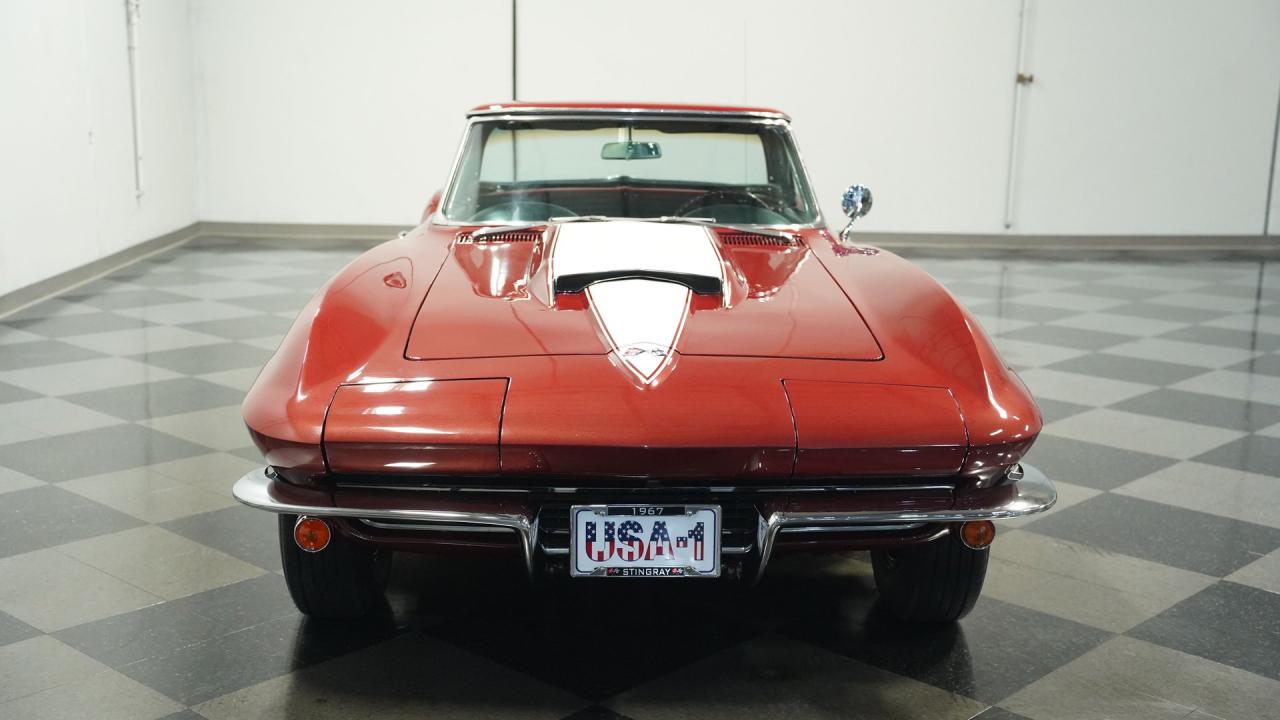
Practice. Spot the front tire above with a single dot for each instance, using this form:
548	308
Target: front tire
341	582
937	582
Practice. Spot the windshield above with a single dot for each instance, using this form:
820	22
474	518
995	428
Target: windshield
532	170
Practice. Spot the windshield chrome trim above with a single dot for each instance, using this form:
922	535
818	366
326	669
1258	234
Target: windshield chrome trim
438	218
560	110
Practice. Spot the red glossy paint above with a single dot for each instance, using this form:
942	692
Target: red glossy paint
870	429
433	204
566	394
444	426
818	363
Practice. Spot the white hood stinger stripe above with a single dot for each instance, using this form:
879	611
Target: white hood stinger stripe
640	318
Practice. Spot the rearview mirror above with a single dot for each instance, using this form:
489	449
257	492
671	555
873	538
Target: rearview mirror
855	203
631	151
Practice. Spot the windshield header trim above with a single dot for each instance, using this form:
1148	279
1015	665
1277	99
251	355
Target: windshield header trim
559	111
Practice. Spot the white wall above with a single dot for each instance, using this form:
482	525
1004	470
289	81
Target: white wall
66	151
330	111
656	51
1148	116
912	98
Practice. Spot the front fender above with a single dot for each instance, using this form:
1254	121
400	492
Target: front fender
361	317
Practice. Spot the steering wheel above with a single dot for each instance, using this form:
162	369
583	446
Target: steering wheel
522	211
727	197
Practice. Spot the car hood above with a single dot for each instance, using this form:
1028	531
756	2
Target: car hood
643	292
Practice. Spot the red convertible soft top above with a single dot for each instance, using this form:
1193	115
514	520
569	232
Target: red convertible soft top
581	107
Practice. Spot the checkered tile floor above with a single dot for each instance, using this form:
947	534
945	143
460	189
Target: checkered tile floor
133	586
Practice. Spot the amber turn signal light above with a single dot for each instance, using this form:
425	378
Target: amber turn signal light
977	535
311	534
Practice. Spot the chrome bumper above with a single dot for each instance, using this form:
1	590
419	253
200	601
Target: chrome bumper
1033	493
254	490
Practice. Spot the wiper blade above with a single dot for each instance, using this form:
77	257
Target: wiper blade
610	218
708	222
683	219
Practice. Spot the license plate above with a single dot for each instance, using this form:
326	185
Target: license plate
644	540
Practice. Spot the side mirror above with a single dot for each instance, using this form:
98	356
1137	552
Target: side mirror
855	202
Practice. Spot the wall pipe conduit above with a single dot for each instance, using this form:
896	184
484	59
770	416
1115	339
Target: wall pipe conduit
133	13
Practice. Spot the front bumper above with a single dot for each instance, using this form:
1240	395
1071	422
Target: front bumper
1030	493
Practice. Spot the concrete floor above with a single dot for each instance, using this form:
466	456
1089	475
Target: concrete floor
133	586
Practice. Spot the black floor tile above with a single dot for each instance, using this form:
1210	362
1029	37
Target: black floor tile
207	358
93	452
1262	365
128	299
157	399
161	630
1021	311
1194	407
200	672
1225	337
241	532
1253	453
187	714
195	673
1058	410
1092	465
998	713
1069	337
13	393
80	324
1119	367
38	353
1160	311
245	328
155	277
1232	624
1234	290
1187	539
12	630
249	452
45	516
991	654
1118	292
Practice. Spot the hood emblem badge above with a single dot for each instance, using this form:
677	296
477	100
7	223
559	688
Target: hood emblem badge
634	350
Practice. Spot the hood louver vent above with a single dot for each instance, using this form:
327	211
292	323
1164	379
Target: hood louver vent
755	239
500	236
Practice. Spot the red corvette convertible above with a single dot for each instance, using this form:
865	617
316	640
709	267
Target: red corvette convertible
623	344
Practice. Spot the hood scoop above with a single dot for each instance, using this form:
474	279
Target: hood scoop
742	238
583	254
501	235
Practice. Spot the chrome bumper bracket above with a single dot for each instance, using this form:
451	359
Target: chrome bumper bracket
1035	493
254	490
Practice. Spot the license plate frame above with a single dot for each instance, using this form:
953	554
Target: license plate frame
686	514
